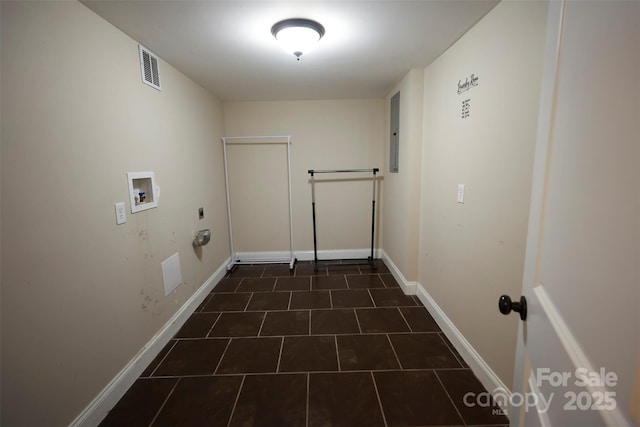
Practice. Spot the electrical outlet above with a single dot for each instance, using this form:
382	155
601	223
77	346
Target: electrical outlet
121	215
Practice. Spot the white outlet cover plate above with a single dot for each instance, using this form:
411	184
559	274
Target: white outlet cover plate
121	214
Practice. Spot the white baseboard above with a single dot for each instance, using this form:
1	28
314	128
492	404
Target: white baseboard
307	255
480	368
118	386
407	286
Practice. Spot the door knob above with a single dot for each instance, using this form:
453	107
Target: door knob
506	305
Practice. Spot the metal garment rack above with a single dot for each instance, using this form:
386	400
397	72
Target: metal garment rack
312	172
230	140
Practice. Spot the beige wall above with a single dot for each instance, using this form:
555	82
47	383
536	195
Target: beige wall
336	134
81	295
401	196
472	253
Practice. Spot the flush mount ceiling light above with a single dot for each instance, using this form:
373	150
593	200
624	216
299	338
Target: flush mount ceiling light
297	35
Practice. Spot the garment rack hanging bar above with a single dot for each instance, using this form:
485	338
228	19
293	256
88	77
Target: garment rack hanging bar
374	170
255	139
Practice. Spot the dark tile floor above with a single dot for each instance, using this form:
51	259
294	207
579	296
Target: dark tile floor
342	346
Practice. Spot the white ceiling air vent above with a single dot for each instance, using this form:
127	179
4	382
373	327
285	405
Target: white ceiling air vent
149	68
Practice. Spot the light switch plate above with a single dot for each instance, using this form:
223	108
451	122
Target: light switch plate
121	215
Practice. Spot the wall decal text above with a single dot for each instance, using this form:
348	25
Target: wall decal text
466	108
469	83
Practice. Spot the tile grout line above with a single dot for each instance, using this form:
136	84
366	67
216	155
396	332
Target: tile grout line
175	342
249	374
213	326
203	304
371	297
375	387
224	352
346	283
246	305
394	351
280	354
165	401
235	402
435	372
235	288
355	314
264	318
335	339
315	335
405	320
452	350
308	386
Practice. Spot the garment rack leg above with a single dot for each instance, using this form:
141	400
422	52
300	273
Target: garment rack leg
313	212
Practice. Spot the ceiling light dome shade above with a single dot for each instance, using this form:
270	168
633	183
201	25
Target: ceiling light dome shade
297	35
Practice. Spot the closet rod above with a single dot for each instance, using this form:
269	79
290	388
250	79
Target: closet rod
312	171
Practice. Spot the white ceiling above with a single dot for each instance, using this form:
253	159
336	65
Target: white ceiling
227	46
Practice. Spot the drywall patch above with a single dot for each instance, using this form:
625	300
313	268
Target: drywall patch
171	274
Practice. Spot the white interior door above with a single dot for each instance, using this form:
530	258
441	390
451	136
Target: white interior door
579	349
